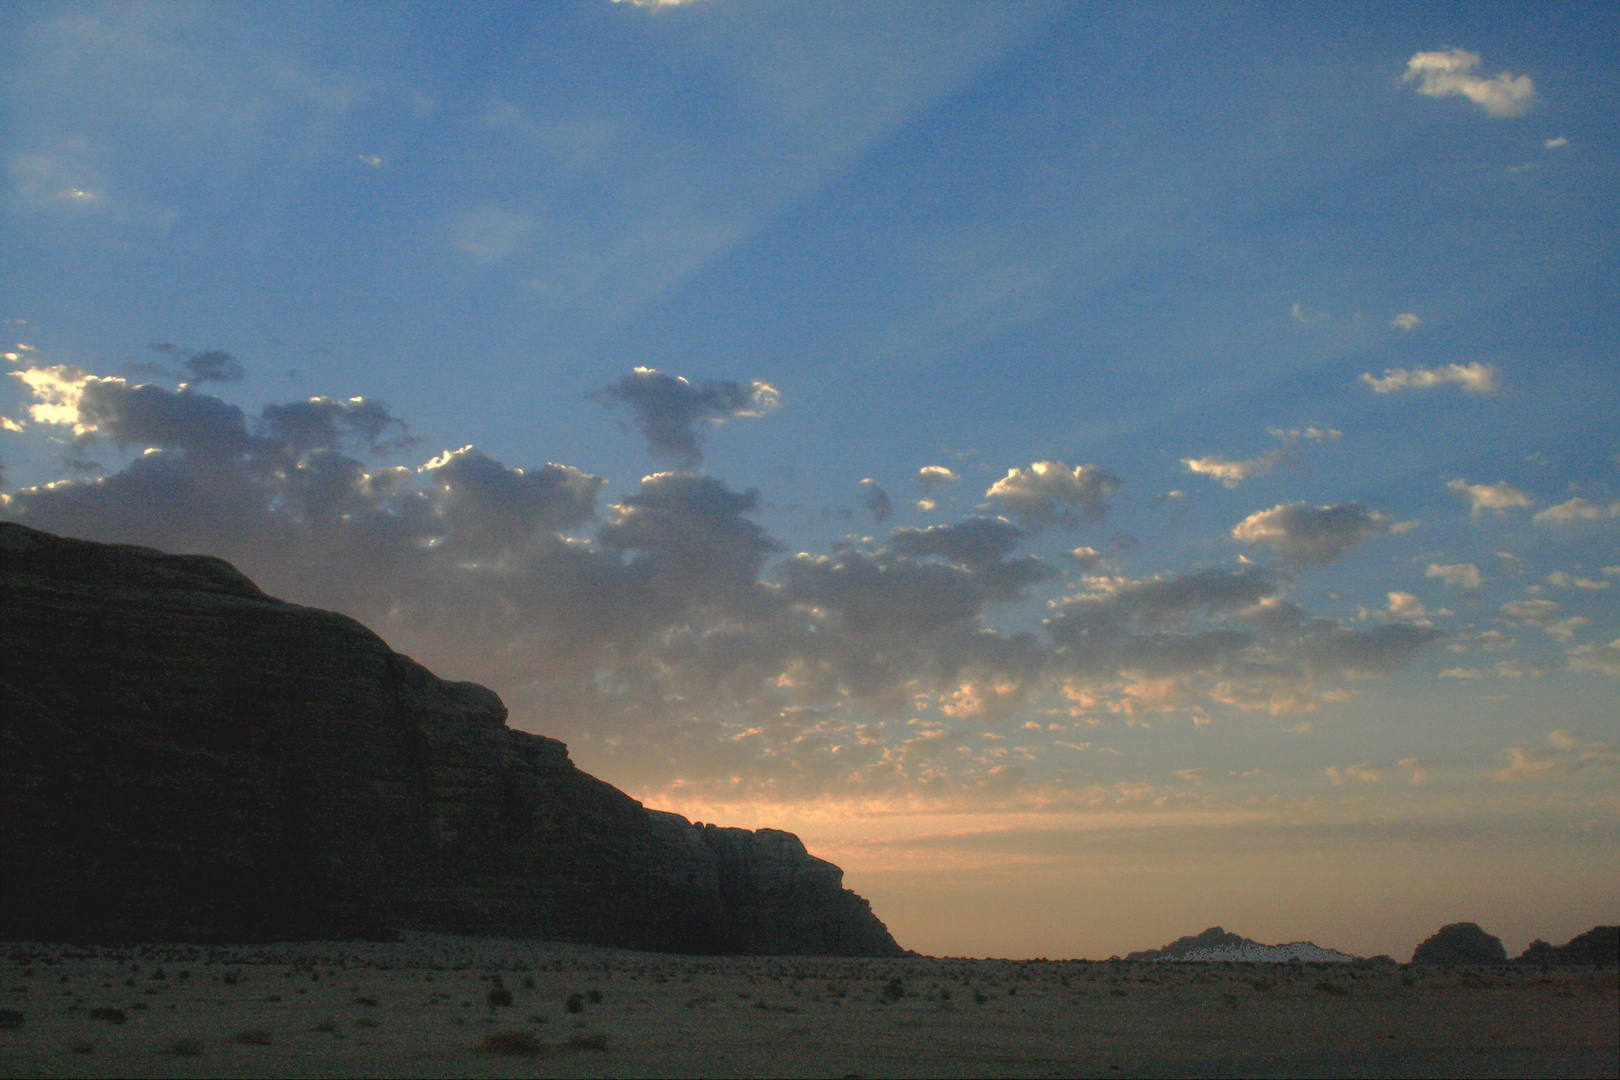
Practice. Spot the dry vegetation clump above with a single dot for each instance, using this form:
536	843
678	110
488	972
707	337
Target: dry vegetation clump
184	1047
582	1040
252	1037
512	1044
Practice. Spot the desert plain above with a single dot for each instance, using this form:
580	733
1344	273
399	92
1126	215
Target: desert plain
434	1005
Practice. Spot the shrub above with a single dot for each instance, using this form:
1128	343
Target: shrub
511	1044
82	1047
594	1040
894	991
1332	988
500	998
594	997
184	1047
370	1002
365	1022
325	1027
10	1018
576	1003
112	1016
252	1037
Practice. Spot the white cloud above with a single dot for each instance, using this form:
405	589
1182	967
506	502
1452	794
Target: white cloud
1049	493
930	478
1362	773
1417	769
1403	605
1569	581
1406	321
1556	144
1457	575
1500	497
1230	473
1602	659
1574	510
674	413
1475	378
1451	74
1545	614
1311	535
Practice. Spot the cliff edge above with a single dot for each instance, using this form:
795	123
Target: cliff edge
183	757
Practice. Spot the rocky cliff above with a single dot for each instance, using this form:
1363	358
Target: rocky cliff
184	757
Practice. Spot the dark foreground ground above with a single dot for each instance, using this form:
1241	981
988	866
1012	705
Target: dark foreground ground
424	1007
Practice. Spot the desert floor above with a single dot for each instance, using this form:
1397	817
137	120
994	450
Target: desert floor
422	1007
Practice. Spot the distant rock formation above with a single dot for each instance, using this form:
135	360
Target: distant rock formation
1461	943
183	757
1217	944
1599	946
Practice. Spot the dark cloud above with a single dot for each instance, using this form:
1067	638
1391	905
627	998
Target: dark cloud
213	366
671	412
976	541
323	423
1311	535
876	501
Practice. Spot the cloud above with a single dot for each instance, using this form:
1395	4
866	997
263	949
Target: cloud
1451	74
213	366
976	541
1601	659
1544	613
1457	575
1569	581
1476	378
1500	497
1418	770
1555	144
1050	493
1406	321
1570	754
930	478
876	501
1567	513
1230	472
670	410
1362	773
668	634
1311	535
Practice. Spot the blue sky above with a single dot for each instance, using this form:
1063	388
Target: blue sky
1094	471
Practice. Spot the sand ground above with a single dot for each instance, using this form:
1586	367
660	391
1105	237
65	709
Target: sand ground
422	1007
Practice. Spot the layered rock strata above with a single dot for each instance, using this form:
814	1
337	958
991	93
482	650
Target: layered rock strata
183	757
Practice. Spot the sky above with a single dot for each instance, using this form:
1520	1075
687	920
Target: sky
1094	471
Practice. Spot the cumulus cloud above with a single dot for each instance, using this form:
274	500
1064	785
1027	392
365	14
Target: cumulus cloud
1051	493
1577	510
930	478
1230	472
1562	580
1500	497
1406	321
1457	575
213	366
1451	73
1311	535
976	541
1476	378
672	412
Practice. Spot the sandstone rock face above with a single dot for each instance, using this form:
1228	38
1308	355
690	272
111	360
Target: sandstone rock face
183	757
1599	946
1461	943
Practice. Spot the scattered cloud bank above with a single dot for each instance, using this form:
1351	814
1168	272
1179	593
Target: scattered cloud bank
673	413
1451	73
1568	753
1311	535
1458	575
670	633
1476	378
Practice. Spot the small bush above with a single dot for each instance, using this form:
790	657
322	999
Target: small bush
576	1003
252	1037
1229	1000
369	1002
1261	984
184	1047
325	1027
1332	988
594	1040
500	998
528	982
894	991
82	1047
979	997
10	1018
594	997
511	1044
112	1016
